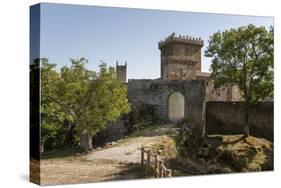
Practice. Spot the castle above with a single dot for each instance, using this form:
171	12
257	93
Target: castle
183	88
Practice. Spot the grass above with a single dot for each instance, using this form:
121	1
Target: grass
147	131
177	173
227	154
166	143
144	131
246	154
167	147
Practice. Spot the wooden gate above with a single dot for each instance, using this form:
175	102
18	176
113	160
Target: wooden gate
176	107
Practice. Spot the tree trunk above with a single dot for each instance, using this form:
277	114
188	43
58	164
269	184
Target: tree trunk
86	141
68	141
246	127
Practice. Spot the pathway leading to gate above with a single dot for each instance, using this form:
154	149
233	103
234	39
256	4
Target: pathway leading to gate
105	164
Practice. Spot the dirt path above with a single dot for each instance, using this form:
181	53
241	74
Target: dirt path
116	162
128	150
77	171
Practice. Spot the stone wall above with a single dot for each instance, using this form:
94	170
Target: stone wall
157	92
180	72
227	118
223	93
217	94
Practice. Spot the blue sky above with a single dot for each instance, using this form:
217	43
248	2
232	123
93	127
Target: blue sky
110	34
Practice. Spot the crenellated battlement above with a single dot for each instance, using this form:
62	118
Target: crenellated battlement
180	57
181	38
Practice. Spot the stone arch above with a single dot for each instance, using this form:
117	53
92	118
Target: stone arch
176	106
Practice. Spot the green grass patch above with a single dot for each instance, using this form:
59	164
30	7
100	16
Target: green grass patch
177	173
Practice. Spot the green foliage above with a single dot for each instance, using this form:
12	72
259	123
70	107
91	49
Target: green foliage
76	100
189	139
142	117
243	57
52	114
106	101
34	88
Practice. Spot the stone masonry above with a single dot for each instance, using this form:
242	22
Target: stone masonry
121	71
180	57
180	74
157	92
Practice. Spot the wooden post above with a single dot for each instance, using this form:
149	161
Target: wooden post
156	166
160	169
148	159
142	156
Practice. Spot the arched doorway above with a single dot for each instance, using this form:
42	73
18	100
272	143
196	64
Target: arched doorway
176	107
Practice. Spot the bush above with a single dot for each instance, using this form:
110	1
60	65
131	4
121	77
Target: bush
189	138
143	116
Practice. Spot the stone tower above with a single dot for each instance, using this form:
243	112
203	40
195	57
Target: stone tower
121	71
180	57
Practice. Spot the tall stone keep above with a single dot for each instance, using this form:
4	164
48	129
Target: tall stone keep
121	71
180	57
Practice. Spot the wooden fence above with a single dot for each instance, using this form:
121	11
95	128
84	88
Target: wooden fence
154	161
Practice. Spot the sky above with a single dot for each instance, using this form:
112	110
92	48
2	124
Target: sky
108	34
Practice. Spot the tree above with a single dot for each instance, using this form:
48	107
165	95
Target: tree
244	57
54	130
104	102
86	99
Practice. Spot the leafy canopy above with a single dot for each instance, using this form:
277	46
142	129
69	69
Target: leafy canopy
84	98
243	57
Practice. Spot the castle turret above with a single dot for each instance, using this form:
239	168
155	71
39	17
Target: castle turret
121	71
180	57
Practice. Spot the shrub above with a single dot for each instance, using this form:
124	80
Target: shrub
144	115
189	138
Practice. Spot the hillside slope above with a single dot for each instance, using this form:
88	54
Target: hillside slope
226	154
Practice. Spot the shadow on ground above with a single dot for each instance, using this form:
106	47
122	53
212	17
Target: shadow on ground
62	153
132	171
